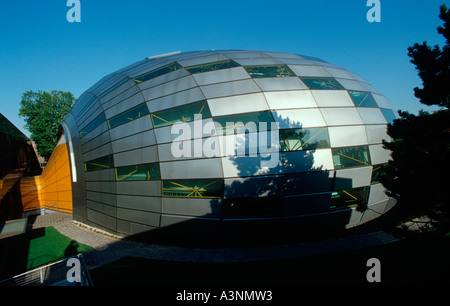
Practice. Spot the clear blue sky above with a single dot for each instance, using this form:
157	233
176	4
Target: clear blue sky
41	50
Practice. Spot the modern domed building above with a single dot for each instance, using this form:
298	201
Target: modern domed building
228	138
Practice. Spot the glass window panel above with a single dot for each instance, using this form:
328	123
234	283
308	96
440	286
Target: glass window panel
201	188
92	125
351	157
362	99
101	163
376	173
269	71
389	115
212	66
157	72
130	115
262	207
242	123
322	83
356	197
185	113
304	139
144	172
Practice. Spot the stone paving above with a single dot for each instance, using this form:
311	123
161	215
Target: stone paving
108	249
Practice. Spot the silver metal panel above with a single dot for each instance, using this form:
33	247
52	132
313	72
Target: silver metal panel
376	133
177	99
102	208
298	118
164	134
130	228
101	175
189	169
138	216
299	61
188	221
207	208
190	149
382	101
89	116
220	76
179	73
124	105
109	187
308	160
138	156
306	204
371	115
230	89
257	61
345	136
290	99
237	104
99	151
101	220
377	194
308	182
244	54
378	154
275	84
117	91
136	126
332	98
339	73
102	128
245	144
139	188
102	197
94	142
143	139
309	71
152	204
282	55
352	178
202	60
169	88
352	84
248	187
242	166
341	116
355	217
373	211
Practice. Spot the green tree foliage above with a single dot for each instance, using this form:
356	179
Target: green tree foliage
418	174
43	113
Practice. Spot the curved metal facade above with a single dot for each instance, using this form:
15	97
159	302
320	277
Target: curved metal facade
178	139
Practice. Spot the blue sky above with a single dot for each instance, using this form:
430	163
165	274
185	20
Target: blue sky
41	50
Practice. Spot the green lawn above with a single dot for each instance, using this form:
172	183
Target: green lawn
35	248
408	262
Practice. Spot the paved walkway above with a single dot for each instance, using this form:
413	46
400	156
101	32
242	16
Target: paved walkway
108	249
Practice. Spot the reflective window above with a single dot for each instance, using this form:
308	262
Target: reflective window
304	139
212	66
376	173
144	172
104	162
184	113
157	72
351	157
322	83
269	71
262	207
389	115
356	197
92	125
362	99
130	115
210	188
242	123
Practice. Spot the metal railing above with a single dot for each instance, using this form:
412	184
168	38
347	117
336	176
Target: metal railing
55	274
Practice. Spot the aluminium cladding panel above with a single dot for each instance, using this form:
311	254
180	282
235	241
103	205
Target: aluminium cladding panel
298	118
309	71
190	149
130	228
136	126
264	60
138	156
221	76
306	204
144	203
381	101
249	187
191	169
243	166
176	99
339	73
106	175
290	99
118	94
100	220
206	208
352	84
344	136
280	84
135	141
377	133
138	216
139	188
238	104
96	142
332	98
205	59
124	102
168	77
308	182
166	134
371	115
307	160
377	193
378	154
230	89
97	152
169	88
352	178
